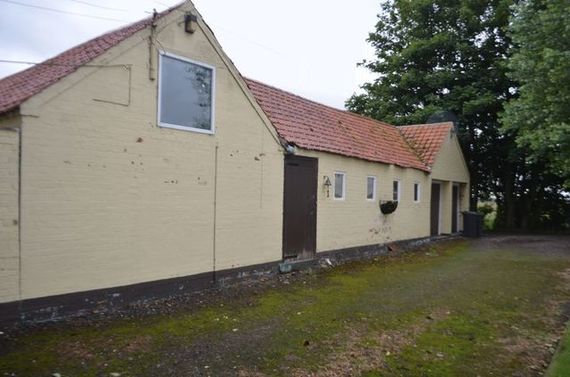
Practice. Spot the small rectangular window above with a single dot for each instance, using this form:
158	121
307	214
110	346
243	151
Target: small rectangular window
416	192
185	94
396	191
370	188
339	185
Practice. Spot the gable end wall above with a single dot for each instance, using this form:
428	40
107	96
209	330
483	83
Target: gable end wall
110	199
450	168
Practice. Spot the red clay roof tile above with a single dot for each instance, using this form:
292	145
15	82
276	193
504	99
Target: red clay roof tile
311	125
20	86
427	139
299	121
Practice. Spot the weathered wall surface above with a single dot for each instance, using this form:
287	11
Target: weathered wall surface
109	198
356	221
449	168
449	164
9	252
446	198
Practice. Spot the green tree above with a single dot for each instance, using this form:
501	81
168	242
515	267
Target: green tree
539	118
446	60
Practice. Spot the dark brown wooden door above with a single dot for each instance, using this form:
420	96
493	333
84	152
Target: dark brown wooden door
434	211
454	208
300	207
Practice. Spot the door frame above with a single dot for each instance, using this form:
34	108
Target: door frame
455	214
310	254
439	207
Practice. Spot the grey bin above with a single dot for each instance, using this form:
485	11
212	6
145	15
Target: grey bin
472	224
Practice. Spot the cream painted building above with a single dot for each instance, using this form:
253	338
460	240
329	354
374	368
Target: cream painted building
143	158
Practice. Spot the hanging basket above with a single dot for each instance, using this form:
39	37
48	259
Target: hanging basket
388	206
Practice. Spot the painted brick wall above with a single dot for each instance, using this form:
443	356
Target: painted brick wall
109	198
449	168
449	164
9	267
356	221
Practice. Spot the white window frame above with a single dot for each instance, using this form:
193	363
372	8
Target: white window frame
373	188
399	196
212	129
419	192
343	185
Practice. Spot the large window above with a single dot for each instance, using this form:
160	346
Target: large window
396	191
186	97
370	188
339	185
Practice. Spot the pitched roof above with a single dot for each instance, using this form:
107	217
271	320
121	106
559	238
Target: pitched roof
311	125
20	86
427	139
299	121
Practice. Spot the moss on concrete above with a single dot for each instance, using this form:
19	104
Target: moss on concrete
450	310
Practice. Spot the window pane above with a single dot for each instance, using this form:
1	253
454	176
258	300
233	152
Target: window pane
396	189
416	192
185	94
338	185
370	188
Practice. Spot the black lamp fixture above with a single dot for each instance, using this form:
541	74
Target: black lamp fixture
327	183
190	22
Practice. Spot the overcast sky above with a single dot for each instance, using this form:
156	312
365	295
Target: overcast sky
309	47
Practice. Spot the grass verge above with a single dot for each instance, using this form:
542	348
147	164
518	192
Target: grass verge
445	310
560	366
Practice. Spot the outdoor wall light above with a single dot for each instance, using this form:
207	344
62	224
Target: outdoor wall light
290	149
327	184
190	22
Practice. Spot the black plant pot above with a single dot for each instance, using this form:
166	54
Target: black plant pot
388	206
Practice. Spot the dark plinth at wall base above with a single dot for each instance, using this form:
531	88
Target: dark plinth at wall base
371	251
100	300
354	253
53	308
